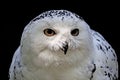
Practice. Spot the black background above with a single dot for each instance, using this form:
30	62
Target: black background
15	15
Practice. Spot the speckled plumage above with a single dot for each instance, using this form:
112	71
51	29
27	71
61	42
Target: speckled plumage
73	52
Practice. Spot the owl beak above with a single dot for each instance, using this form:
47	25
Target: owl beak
65	48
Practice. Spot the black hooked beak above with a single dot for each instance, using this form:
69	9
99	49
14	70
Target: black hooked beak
65	48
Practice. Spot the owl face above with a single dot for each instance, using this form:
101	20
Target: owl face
58	35
55	39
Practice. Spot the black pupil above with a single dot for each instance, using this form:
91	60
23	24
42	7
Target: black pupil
49	31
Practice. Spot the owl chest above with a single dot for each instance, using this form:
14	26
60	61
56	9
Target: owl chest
68	74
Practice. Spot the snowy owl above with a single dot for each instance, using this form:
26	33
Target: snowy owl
59	45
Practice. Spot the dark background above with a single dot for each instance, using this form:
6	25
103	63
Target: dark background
15	15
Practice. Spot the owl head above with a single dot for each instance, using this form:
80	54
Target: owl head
58	33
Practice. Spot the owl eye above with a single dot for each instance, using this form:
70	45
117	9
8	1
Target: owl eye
49	32
75	32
